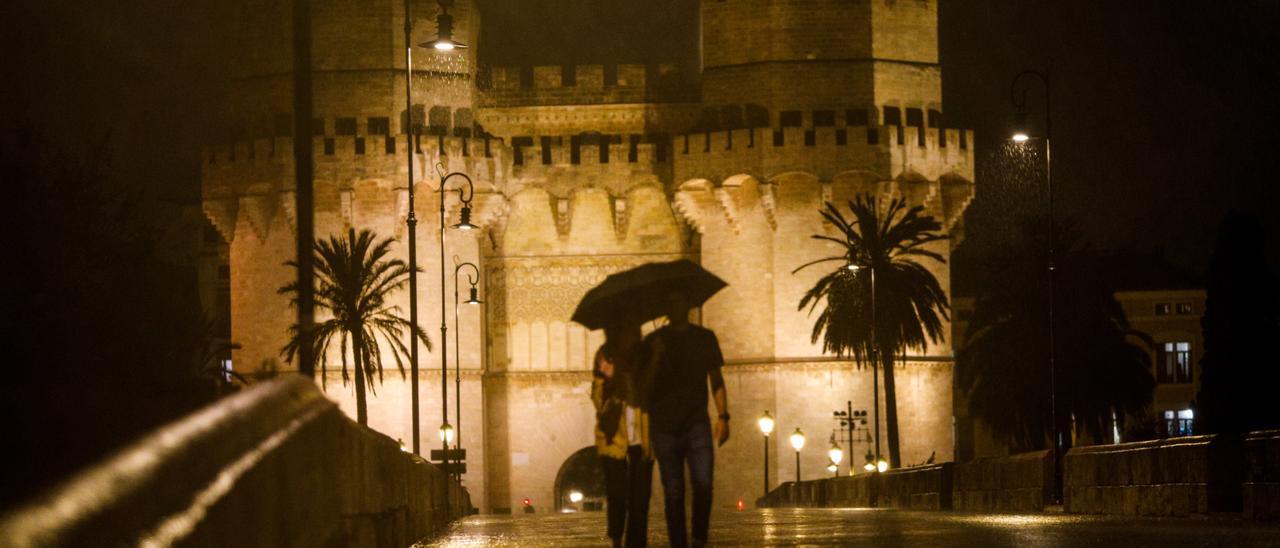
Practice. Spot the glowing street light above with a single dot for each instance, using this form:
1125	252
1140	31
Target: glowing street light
446	433
444	31
575	496
766	427
797	442
766	423
835	453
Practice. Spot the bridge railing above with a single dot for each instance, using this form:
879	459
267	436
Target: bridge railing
276	465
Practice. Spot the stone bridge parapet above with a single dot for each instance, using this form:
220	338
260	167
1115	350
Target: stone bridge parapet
275	465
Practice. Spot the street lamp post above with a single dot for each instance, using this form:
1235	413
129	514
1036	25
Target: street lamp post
444	31
849	421
465	193
473	300
766	428
1018	96
875	352
411	223
797	442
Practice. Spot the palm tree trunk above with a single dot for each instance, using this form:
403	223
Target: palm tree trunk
891	410
362	406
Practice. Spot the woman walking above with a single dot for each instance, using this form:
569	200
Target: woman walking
619	390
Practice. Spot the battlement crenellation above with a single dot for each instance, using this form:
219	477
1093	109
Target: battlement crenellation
544	85
887	150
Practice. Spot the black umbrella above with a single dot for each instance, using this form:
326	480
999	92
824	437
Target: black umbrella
640	294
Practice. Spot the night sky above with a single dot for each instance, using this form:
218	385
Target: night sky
1164	112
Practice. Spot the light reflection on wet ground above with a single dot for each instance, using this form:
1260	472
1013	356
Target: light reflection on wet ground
890	528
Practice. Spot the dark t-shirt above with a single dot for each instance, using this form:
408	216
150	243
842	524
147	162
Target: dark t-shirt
679	394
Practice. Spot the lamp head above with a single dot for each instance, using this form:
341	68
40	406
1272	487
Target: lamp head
446	433
882	465
832	467
835	453
464	222
473	299
766	423
444	41
797	439
1020	132
575	496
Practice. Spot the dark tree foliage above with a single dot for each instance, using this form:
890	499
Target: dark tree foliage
1101	364
354	278
102	322
910	304
1240	324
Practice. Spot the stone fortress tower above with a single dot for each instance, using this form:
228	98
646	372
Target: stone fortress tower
585	170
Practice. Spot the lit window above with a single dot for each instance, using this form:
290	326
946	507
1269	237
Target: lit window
1184	308
1179	423
1173	363
1164	309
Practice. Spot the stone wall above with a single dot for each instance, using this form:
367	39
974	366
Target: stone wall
864	53
857	491
275	465
917	488
358	60
1262	475
1172	477
1016	483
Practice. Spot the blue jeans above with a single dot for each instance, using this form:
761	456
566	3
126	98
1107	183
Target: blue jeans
673	450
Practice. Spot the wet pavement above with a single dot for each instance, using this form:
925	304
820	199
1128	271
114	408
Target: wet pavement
869	527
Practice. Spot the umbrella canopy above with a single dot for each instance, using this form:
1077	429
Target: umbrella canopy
640	294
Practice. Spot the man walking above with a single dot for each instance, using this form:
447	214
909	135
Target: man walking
680	430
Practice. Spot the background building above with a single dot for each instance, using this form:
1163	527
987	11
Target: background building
1160	301
583	170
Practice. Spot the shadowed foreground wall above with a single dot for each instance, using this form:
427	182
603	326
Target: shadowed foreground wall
1171	477
276	465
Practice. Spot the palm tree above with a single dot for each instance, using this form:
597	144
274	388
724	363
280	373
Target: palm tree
909	303
1100	371
353	279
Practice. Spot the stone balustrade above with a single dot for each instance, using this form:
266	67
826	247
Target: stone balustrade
1262	475
1014	483
919	488
1172	477
275	465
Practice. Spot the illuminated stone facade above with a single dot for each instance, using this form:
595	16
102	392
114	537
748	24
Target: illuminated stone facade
582	171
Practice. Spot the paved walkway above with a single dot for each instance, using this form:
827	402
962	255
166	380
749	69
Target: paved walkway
891	528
